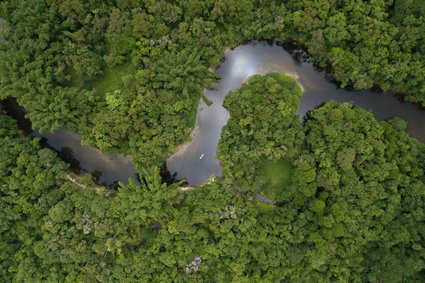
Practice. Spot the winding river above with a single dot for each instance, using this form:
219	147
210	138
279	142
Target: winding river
108	169
196	161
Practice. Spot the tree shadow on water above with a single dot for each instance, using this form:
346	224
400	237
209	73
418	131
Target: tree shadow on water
167	177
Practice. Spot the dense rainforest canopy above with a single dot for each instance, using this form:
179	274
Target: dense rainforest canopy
351	209
128	74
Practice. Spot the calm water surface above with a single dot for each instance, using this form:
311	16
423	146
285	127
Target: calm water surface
109	168
198	161
1	26
83	159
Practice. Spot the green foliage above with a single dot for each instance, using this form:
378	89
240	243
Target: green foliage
352	211
128	75
54	222
362	187
62	58
207	101
277	176
29	178
355	194
263	129
8	126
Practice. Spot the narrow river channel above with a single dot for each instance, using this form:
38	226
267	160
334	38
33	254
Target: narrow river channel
107	168
196	162
83	159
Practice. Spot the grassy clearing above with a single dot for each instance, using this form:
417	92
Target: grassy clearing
112	79
278	176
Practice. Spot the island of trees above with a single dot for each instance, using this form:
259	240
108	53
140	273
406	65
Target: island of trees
348	191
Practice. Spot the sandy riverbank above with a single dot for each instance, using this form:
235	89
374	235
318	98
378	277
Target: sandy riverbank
182	148
293	75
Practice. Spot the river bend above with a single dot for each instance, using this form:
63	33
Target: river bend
197	161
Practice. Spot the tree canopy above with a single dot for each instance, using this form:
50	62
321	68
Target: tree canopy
350	207
127	74
349	190
356	187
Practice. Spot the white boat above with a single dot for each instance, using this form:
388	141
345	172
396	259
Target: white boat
202	155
